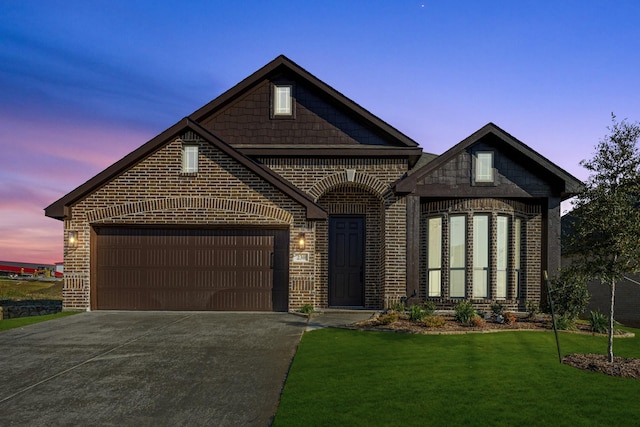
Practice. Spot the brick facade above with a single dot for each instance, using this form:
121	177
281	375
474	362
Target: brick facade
518	292
329	157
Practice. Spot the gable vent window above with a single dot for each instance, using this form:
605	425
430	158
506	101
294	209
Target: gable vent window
190	159
484	166
282	101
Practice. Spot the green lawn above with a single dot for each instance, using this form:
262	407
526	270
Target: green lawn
355	378
30	320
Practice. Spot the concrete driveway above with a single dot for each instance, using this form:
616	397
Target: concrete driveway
147	368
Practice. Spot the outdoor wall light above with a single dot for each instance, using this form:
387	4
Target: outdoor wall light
301	241
73	239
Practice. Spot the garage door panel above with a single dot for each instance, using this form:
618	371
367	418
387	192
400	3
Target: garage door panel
164	269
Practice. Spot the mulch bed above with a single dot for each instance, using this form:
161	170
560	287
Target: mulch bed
621	367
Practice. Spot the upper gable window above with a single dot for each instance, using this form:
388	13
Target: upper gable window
282	99
189	159
484	166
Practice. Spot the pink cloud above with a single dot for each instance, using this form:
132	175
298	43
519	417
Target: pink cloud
42	161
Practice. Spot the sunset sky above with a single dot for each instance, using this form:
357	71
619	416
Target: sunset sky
83	83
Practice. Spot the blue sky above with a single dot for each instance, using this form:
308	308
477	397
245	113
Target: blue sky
82	83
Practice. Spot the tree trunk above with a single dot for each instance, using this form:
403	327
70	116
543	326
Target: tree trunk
613	298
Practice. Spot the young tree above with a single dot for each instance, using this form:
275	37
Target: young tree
605	231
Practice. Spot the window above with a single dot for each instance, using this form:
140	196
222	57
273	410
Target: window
457	256
484	166
502	256
480	256
189	159
282	104
517	252
434	257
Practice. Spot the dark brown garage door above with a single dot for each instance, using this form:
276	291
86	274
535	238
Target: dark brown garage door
169	269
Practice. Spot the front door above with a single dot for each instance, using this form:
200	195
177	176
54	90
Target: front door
346	261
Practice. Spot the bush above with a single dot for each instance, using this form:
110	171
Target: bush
464	312
509	318
477	321
417	313
429	307
497	309
598	322
570	295
532	309
431	321
388	318
307	309
398	306
565	323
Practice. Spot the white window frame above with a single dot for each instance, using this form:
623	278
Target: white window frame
502	256
434	257
189	159
484	166
282	100
481	256
517	255
457	256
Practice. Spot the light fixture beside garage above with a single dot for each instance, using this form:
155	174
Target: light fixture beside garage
301	241
73	239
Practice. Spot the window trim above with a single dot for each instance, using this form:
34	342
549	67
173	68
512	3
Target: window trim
190	154
488	178
275	105
504	225
434	253
481	223
458	268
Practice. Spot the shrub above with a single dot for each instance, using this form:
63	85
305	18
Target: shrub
509	318
307	309
429	307
477	321
497	309
388	318
416	313
464	312
598	322
570	295
532	309
565	323
398	306
431	321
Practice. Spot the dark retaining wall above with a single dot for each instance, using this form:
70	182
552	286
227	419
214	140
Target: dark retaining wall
13	309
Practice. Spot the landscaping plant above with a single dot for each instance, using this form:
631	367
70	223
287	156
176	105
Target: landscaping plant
605	221
598	322
464	312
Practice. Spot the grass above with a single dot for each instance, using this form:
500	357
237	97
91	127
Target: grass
25	321
23	289
357	378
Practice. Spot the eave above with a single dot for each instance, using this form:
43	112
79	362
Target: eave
61	209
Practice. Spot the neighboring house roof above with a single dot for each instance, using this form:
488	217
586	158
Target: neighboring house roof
60	208
570	184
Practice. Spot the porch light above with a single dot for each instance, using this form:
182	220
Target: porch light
73	239
301	241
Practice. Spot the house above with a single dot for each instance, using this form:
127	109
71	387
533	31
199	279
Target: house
283	192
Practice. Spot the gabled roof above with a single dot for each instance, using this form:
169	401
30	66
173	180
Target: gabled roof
60	208
571	184
282	63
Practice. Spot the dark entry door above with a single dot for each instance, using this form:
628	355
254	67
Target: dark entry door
346	261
